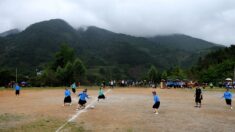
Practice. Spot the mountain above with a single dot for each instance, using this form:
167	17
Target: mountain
100	49
10	32
36	44
193	47
182	42
216	66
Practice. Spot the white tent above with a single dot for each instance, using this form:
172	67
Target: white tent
228	79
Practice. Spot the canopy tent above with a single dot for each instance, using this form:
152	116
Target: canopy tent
228	79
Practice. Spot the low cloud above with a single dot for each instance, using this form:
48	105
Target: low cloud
212	20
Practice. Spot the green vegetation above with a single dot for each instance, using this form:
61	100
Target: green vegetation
64	70
216	66
73	127
6	76
152	74
8	120
6	117
41	125
106	55
176	73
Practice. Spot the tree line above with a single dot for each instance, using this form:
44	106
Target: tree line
66	68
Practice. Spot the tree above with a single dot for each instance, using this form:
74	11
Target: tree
65	69
79	70
164	75
6	76
65	55
60	72
177	73
48	78
152	74
68	74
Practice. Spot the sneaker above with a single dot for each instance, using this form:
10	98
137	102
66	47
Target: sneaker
231	108
156	113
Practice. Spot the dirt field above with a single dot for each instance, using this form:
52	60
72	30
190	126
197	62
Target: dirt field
124	110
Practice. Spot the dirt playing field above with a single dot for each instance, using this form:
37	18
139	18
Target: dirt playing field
124	110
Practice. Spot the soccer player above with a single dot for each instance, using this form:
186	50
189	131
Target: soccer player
82	99
156	102
228	98
101	94
73	86
17	89
67	98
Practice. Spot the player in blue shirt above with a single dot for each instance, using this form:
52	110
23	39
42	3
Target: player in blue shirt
156	102
67	97
82	99
228	98
17	89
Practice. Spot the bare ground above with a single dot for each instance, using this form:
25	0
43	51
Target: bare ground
125	109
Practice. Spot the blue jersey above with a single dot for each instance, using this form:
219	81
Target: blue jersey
17	87
83	96
228	95
156	98
67	93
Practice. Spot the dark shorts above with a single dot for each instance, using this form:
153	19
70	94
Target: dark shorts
17	92
74	90
156	105
198	100
67	99
228	101
101	97
81	102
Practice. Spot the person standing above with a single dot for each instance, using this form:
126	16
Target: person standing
17	89
198	97
111	83
104	84
211	85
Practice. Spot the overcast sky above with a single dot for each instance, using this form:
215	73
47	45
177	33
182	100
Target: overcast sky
212	20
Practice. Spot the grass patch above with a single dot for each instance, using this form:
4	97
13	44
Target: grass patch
41	125
6	117
10	120
129	130
44	124
73	127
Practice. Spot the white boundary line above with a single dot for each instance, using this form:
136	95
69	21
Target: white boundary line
79	112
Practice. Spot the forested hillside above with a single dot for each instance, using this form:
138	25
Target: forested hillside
105	54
